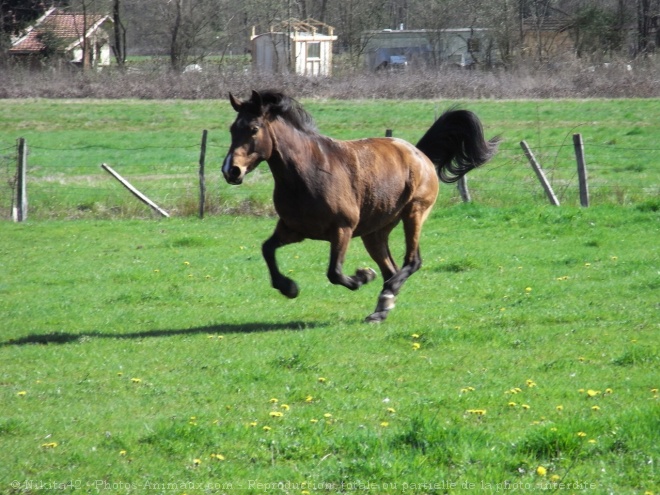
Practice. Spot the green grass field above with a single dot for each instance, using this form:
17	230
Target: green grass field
156	145
144	356
147	356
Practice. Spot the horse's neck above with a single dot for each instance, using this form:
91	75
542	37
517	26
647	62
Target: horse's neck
292	150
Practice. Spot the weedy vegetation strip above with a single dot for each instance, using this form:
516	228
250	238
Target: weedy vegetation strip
152	356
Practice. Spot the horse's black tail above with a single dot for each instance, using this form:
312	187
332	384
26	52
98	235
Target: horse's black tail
455	143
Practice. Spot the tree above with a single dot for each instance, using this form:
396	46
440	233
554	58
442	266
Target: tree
119	47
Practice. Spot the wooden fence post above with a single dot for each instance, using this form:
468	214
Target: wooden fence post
463	190
135	192
202	180
539	173
582	169
20	210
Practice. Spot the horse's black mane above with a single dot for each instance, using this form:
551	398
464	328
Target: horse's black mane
278	104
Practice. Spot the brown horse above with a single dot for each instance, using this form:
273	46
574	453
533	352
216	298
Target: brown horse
334	190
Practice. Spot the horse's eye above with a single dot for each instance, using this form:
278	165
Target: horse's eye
254	130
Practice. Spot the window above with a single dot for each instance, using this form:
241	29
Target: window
473	44
314	50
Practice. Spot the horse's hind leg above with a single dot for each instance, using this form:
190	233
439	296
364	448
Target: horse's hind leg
412	226
281	237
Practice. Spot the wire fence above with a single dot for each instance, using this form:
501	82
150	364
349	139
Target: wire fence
69	182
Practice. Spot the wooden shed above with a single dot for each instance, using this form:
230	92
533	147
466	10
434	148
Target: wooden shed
303	47
63	35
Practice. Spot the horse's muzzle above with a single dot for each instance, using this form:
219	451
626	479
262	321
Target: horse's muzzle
233	175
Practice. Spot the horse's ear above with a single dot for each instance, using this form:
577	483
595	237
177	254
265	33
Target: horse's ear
235	102
256	99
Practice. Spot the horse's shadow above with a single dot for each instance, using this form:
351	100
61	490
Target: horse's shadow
224	329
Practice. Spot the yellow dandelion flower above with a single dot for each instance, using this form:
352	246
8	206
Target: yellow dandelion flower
309	398
327	415
654	390
609	391
187	263
416	346
580	391
197	462
136	380
156	270
285	407
553	429
384	424
587	265
391	410
49	445
478	412
120	374
512	404
541	471
253	424
219	457
530	383
266	428
276	414
595	408
555	478
525	406
593	393
273	400
592	440
415	335
322	379
528	289
22	393
305	492
581	434
313	421
560	408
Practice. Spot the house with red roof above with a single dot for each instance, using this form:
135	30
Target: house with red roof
79	39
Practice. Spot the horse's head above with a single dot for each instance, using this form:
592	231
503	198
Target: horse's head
250	140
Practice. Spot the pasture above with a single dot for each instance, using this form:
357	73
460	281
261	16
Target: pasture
152	356
156	145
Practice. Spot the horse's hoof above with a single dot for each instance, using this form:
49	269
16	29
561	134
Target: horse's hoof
366	274
288	288
376	317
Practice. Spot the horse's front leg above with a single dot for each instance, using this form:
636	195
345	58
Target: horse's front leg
281	237
338	247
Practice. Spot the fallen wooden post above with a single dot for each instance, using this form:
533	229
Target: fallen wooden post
539	173
135	192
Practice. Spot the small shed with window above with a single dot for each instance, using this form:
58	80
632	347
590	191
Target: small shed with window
303	47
